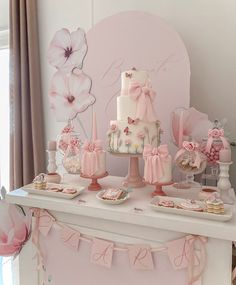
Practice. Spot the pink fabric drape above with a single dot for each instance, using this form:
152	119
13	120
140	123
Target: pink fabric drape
27	148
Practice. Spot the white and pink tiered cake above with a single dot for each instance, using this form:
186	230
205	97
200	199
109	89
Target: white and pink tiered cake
136	123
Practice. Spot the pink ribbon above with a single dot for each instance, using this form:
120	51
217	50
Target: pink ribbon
191	147
154	158
90	157
201	260
216	134
144	96
43	223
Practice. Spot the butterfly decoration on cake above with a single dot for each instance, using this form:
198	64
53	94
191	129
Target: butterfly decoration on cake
127	131
69	92
133	121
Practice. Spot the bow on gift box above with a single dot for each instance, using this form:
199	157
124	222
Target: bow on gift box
154	158
216	134
90	157
191	147
144	96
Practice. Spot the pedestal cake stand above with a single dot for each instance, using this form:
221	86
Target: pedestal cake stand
94	185
133	178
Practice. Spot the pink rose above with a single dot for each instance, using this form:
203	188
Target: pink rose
113	128
190	146
128	142
141	135
216	133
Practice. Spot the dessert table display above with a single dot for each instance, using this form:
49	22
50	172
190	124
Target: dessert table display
121	234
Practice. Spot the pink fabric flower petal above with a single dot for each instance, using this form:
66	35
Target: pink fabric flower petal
62	38
78	39
70	94
67	50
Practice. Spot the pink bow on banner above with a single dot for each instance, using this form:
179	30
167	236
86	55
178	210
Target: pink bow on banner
154	158
191	147
216	134
43	223
144	96
182	253
90	159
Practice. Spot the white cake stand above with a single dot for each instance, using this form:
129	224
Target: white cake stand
133	178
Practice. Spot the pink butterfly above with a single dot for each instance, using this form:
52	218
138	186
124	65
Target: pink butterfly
133	122
127	131
128	75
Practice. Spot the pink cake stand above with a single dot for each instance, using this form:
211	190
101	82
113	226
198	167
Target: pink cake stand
94	185
133	178
158	188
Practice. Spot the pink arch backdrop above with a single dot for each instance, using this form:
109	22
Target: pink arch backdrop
141	40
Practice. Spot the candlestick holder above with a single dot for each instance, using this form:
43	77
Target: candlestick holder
94	185
52	176
224	184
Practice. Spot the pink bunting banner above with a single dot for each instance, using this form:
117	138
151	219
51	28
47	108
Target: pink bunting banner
102	252
188	252
140	257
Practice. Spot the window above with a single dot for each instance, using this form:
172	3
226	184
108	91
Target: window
5	263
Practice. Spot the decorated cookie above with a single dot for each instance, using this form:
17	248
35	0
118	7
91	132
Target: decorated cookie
190	205
166	203
69	190
112	194
55	189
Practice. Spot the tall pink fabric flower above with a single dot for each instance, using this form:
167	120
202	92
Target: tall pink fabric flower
69	94
14	229
67	50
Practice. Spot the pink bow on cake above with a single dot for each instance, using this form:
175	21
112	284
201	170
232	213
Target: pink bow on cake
216	134
144	96
154	158
90	159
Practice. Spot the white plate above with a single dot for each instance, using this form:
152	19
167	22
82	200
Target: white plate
30	189
111	202
202	215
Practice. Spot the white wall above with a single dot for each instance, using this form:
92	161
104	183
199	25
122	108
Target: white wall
4	14
208	28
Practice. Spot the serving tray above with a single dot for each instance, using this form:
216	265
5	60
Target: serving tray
30	189
202	215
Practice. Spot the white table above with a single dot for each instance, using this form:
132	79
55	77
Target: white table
108	221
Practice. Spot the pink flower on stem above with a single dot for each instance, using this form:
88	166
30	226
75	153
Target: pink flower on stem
141	135
128	142
70	94
113	128
67	50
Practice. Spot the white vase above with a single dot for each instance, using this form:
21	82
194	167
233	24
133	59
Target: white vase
224	184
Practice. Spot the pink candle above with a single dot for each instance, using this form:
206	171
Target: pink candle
94	134
52	145
225	155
